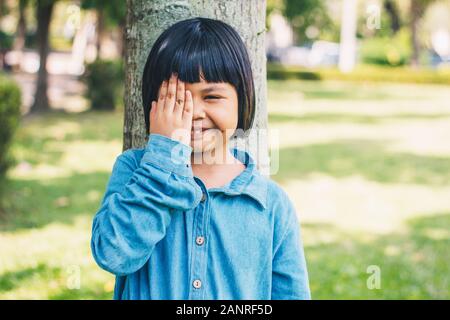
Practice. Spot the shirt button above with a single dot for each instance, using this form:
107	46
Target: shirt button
200	240
203	197
197	284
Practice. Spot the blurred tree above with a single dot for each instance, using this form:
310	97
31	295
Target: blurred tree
4	37
272	6
19	40
417	10
392	10
44	10
117	14
3	9
109	14
347	42
306	14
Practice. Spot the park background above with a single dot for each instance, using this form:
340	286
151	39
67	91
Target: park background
364	153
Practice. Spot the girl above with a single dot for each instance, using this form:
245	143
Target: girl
173	227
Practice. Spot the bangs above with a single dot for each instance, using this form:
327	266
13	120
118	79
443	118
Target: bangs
193	53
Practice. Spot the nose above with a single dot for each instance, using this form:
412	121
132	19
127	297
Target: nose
198	112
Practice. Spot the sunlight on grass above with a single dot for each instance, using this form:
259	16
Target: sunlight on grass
355	204
412	265
75	144
64	161
42	262
355	98
422	137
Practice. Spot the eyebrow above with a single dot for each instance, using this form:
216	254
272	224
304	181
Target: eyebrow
212	88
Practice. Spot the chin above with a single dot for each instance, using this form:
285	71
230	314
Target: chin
199	146
207	143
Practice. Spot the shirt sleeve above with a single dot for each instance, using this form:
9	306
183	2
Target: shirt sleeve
289	270
139	202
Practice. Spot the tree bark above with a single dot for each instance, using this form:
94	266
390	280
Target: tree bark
19	41
44	15
145	22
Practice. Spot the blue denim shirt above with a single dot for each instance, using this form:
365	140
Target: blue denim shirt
166	236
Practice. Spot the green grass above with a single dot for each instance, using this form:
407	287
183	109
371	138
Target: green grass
367	166
413	264
362	73
54	192
352	118
367	158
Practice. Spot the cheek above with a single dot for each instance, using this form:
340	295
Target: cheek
225	117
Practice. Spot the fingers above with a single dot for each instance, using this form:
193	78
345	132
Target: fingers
179	103
162	96
171	94
188	108
174	98
153	110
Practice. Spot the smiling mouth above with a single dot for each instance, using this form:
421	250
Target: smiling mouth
197	133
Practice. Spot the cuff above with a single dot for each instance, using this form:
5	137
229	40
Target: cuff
168	154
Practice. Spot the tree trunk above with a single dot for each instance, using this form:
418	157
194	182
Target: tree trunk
19	41
2	5
415	16
2	50
392	11
44	15
145	22
347	46
100	30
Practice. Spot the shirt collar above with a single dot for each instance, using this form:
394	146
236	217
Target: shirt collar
249	181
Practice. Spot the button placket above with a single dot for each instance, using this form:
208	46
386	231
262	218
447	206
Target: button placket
198	251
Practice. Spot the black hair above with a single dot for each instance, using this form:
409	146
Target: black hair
201	47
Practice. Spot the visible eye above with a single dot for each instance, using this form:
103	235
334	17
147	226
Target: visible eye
212	97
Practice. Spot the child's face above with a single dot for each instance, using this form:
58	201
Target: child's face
216	110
